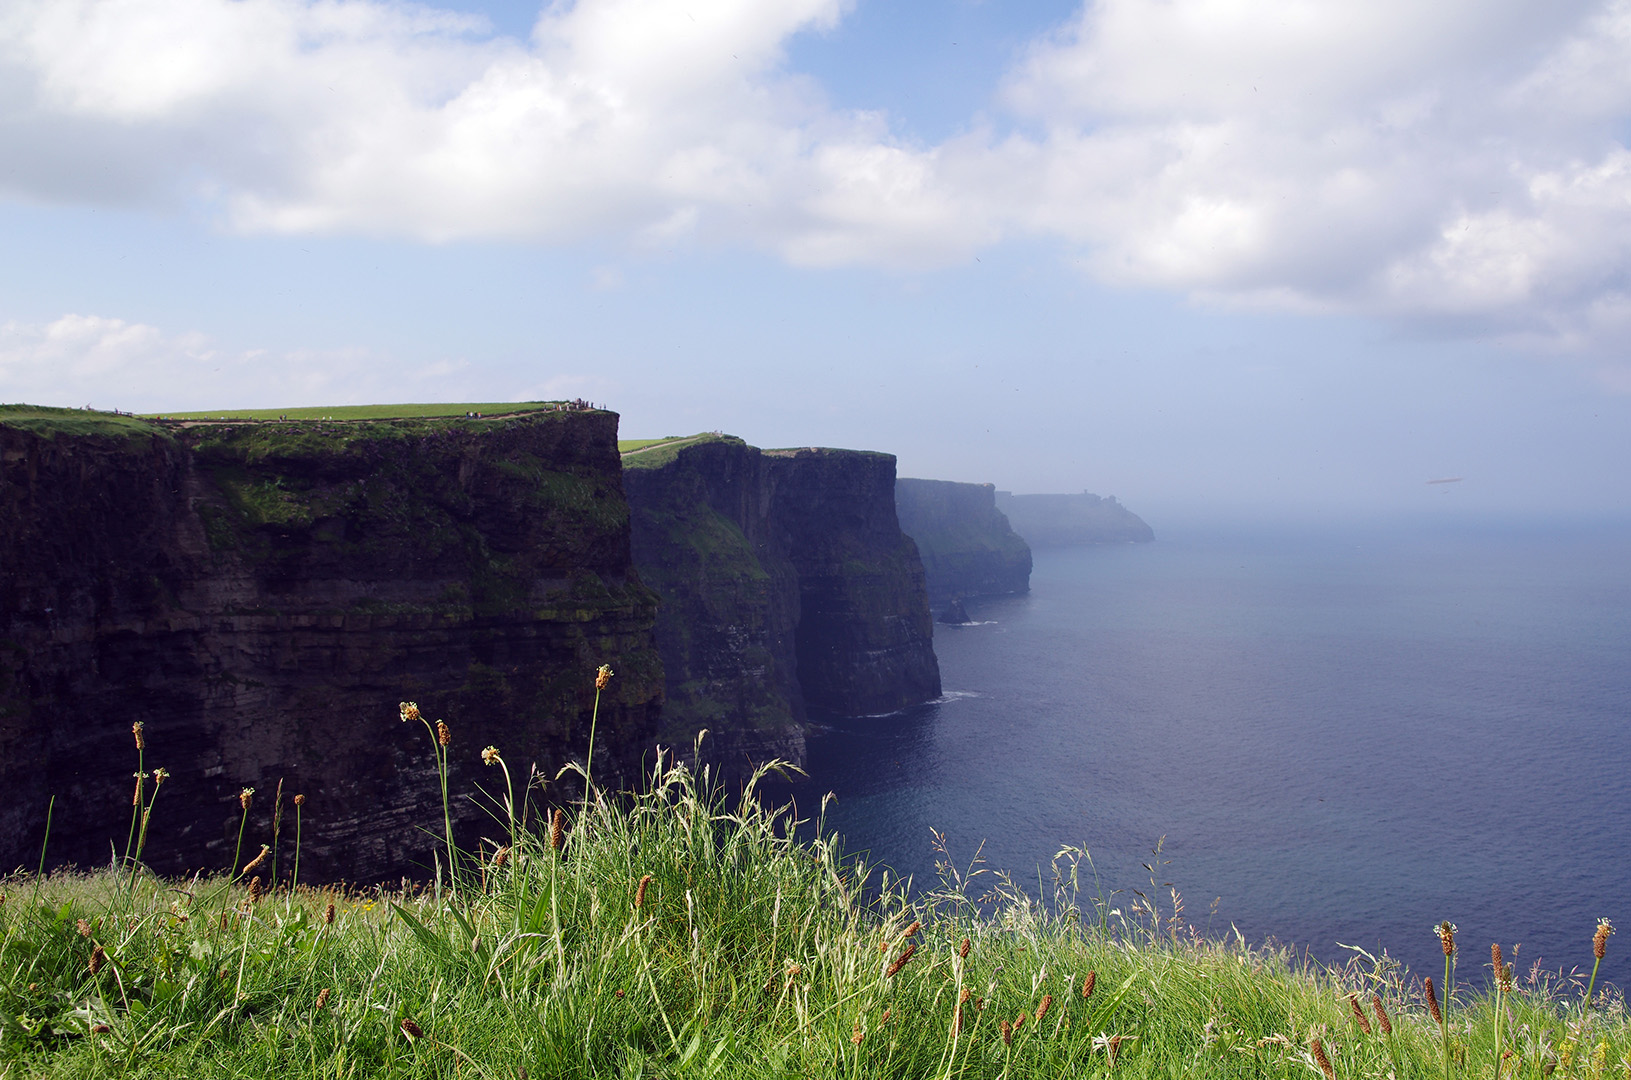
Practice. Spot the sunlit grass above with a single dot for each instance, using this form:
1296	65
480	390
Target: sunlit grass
679	932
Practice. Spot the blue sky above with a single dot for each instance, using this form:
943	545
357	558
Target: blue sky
1214	257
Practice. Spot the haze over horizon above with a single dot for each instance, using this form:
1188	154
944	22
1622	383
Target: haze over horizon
1214	258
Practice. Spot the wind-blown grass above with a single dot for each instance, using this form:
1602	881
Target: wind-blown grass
680	933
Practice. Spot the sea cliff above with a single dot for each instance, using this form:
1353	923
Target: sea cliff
1066	520
260	595
786	584
967	545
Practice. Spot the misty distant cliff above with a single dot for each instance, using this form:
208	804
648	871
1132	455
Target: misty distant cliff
967	544
1067	520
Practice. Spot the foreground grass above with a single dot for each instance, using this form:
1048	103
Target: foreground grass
668	934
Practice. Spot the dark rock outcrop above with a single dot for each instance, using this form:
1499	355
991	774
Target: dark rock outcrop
967	545
261	596
955	614
786	582
1068	520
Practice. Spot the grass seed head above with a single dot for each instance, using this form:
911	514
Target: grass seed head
900	961
1321	1060
136	729
409	711
322	999
1382	1020
857	1035
913	929
245	797
1359	1014
962	950
412	1030
1432	1000
640	891
1042	1009
83	927
603	675
1088	983
444	734
1599	940
557	830
160	776
255	889
255	863
1503	970
300	800
1007	1033
97	956
328	914
489	756
1446	937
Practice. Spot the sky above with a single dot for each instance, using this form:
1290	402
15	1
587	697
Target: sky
1218	258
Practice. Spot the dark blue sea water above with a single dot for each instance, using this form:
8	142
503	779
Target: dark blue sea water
1342	737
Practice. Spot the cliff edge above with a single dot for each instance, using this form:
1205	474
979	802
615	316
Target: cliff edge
261	595
786	583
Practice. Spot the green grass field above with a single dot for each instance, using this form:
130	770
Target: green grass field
675	932
654	453
46	420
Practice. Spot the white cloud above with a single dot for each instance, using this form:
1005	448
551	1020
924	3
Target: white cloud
1460	163
113	364
1456	163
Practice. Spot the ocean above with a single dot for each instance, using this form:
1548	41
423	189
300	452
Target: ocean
1336	739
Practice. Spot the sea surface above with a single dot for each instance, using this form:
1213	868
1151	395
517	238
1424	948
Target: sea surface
1337	738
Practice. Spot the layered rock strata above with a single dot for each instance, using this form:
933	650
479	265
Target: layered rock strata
968	548
261	596
786	584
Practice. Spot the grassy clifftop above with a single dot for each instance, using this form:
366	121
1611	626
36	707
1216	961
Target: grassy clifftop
368	412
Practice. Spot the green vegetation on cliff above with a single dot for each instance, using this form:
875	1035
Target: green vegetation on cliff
49	422
368	412
672	934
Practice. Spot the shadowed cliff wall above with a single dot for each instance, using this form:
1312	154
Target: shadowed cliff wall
785	582
262	595
967	545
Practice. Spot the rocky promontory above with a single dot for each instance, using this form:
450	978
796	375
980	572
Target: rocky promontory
786	583
1067	520
967	544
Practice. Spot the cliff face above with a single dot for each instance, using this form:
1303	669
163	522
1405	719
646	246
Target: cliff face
261	596
785	581
967	545
1066	520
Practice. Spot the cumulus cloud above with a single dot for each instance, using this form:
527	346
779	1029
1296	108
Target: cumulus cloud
1460	164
